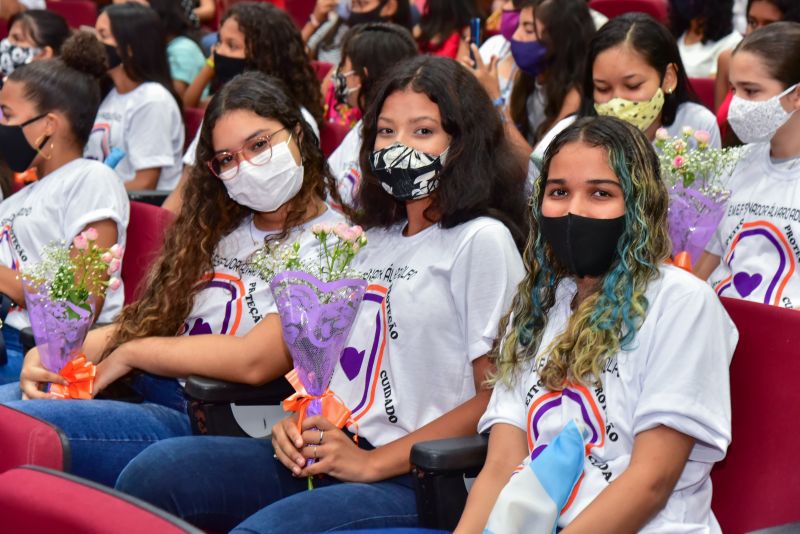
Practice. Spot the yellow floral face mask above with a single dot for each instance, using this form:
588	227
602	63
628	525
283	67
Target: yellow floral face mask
639	114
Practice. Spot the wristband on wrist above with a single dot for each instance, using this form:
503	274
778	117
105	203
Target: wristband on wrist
210	61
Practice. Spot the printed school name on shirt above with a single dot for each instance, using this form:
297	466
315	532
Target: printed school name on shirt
240	267
8	236
587	401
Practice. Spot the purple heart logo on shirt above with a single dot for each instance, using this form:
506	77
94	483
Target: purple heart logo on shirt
351	361
746	283
200	327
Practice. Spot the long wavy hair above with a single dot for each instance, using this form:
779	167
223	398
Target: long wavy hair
480	176
275	47
208	213
608	319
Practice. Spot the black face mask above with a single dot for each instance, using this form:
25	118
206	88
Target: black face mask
227	68
14	147
367	16
584	246
112	56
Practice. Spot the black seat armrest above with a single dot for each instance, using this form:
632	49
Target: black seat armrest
149	196
210	390
451	455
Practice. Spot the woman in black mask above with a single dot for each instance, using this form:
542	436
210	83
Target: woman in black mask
324	32
139	129
48	110
255	37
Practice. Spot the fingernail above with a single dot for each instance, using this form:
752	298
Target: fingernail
296	471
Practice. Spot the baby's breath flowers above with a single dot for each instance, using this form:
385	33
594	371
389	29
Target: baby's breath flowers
338	245
689	159
78	274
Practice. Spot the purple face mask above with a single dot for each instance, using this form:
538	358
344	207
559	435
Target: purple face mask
509	20
529	56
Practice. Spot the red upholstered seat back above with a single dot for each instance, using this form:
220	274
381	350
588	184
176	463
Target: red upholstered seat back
25	439
758	483
146	230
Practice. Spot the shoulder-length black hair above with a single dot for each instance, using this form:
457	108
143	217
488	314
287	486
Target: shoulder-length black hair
141	44
650	39
480	176
275	47
373	49
443	17
715	16
568	30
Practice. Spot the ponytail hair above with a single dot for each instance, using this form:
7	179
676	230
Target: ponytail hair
69	84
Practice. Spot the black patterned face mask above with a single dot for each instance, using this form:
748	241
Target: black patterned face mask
406	173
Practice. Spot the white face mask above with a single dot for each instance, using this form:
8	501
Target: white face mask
756	122
265	187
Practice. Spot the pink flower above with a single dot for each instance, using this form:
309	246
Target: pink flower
107	257
662	134
341	230
678	162
357	231
90	234
702	137
80	242
679	145
114	284
114	266
117	251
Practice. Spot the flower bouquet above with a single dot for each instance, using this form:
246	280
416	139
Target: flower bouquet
61	294
693	172
317	302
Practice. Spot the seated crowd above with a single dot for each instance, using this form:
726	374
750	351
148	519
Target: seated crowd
520	274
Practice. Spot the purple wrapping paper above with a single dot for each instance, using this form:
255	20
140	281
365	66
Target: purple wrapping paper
58	336
693	217
316	318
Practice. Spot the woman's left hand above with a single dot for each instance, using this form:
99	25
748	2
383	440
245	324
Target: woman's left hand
337	455
113	367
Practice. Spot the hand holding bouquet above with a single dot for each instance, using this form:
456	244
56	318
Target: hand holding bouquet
61	295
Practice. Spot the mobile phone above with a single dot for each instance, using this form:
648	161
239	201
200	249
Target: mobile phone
474	34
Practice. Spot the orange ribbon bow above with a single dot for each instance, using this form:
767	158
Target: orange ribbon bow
80	374
682	260
333	409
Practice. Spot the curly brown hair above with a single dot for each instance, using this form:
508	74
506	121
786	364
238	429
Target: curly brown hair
208	213
276	48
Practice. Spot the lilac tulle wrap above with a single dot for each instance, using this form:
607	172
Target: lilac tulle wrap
693	218
59	326
316	318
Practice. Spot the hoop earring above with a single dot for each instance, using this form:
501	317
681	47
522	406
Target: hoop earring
39	141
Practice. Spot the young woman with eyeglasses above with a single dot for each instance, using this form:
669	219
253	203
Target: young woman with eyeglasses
204	309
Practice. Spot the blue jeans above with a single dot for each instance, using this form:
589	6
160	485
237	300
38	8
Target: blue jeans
218	482
105	435
10	371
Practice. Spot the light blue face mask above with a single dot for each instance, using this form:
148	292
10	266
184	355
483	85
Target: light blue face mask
343	9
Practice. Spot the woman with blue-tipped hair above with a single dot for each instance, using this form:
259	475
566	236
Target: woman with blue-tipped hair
603	332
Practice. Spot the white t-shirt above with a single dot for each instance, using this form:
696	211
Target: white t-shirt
758	238
690	114
345	167
432	307
700	59
675	375
56	209
146	124
191	153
